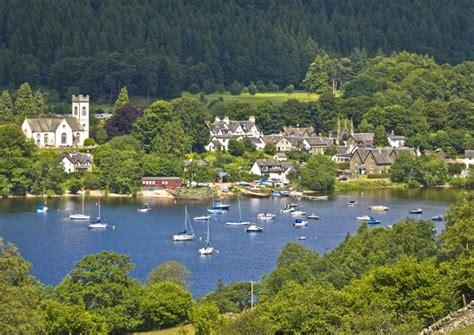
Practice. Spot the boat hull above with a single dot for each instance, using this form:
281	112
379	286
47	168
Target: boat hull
183	237
206	251
79	217
238	223
97	226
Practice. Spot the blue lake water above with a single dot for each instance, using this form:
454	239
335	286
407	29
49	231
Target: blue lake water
54	244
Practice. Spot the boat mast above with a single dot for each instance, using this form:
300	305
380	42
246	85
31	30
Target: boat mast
207	238
83	193
240	213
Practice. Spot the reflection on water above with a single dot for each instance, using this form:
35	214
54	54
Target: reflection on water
54	244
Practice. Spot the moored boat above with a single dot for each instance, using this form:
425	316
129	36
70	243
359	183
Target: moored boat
363	218
312	217
188	233
265	216
300	223
215	211
220	205
373	220
208	249
437	218
201	218
301	238
378	208
416	211
144	209
297	213
253	228
352	203
81	216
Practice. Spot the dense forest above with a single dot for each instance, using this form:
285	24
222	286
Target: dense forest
161	47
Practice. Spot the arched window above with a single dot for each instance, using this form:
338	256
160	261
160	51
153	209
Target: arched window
75	110
84	111
63	138
46	142
78	137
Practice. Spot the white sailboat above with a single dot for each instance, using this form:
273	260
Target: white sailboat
97	224
208	249
239	223
185	235
42	208
81	216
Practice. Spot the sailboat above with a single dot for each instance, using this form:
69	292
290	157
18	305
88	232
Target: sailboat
238	223
184	235
215	210
97	224
144	209
207	250
81	216
42	208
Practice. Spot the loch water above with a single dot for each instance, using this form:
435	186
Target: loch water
53	243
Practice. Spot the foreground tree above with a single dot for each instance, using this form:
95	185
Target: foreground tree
122	98
6	108
19	294
171	271
121	123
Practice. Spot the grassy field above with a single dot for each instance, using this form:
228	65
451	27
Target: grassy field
277	98
469	330
367	184
187	329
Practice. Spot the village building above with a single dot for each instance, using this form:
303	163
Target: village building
280	156
67	131
360	140
158	183
77	162
318	144
298	131
343	154
375	160
396	141
271	169
468	162
221	131
282	144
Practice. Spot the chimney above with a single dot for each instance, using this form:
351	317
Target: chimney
217	119
252	118
226	119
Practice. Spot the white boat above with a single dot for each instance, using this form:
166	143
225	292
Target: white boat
82	216
287	210
220	205
266	216
301	238
352	203
253	228
312	217
185	235
437	218
297	213
363	218
378	208
215	211
145	209
300	223
208	249
240	222
97	224
42	208
293	205
201	218
416	211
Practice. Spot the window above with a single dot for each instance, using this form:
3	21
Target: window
63	138
75	110
78	137
84	111
46	142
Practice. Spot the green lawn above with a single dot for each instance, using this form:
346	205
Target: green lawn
469	330
187	329
277	98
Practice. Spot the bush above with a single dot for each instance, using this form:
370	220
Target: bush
74	186
261	86
458	182
377	175
412	183
344	166
208	87
194	89
252	89
245	90
456	168
235	88
89	142
290	89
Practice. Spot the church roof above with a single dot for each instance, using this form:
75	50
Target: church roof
39	125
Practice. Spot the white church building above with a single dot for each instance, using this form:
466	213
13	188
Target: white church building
68	131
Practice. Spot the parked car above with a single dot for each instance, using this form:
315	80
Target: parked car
342	178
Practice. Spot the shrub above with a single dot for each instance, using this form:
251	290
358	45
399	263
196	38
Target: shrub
457	182
194	89
89	142
252	89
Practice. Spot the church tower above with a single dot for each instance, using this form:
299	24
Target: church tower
80	111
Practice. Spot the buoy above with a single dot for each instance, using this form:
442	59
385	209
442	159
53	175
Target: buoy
113	227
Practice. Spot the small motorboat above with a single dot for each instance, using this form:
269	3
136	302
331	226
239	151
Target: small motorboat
352	203
300	223
437	218
301	238
253	228
220	205
201	218
312	217
379	208
416	211
79	217
239	223
297	213
145	209
276	193
373	220
215	211
363	218
287	210
265	216
292	205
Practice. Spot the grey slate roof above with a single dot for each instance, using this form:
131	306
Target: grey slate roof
363	137
469	154
381	156
80	158
319	141
51	124
298	131
396	137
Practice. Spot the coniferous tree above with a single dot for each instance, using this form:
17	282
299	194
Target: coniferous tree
6	108
25	105
122	99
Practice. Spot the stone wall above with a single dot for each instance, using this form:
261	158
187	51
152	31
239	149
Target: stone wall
458	319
